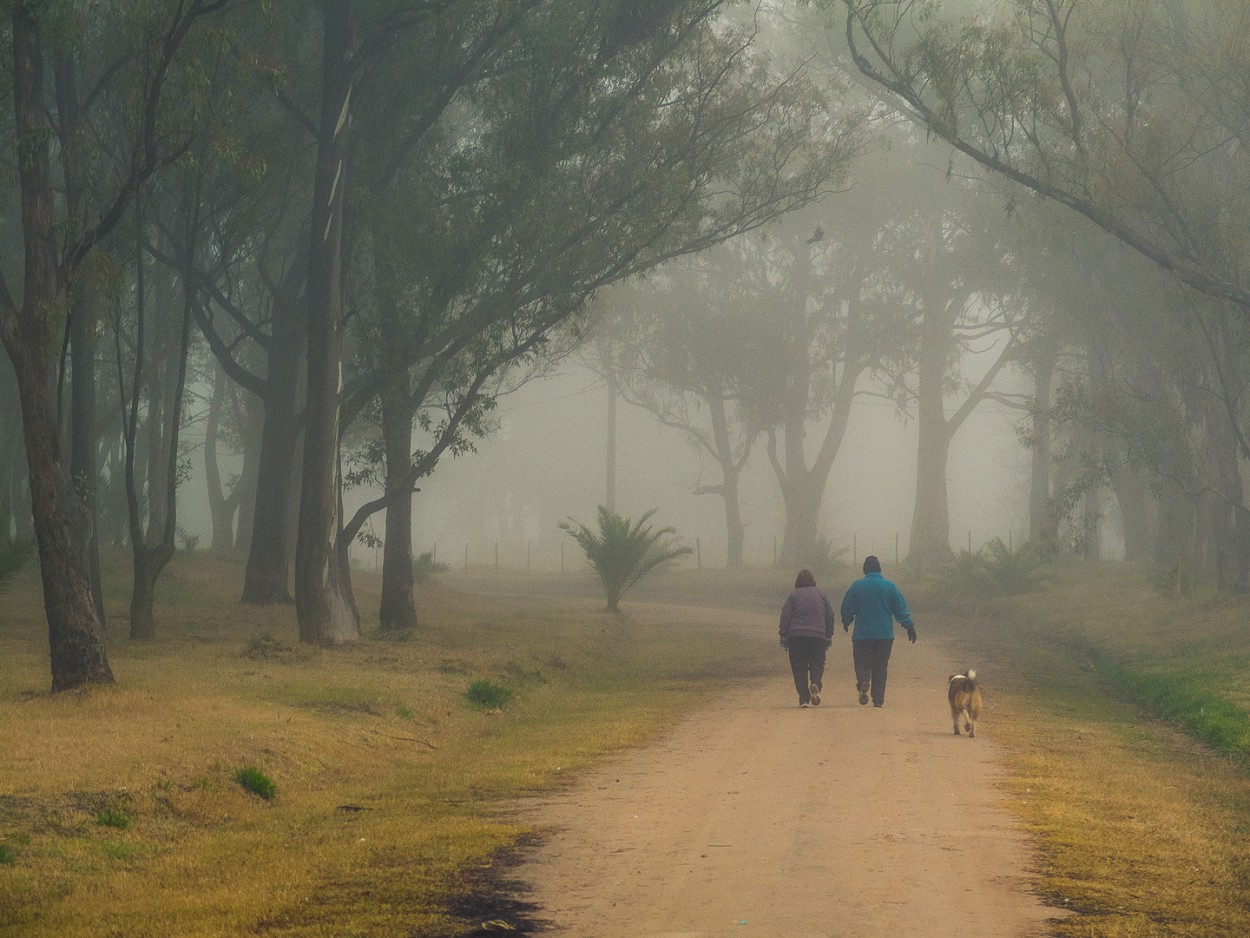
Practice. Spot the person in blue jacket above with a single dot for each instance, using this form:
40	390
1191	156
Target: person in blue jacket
806	630
874	603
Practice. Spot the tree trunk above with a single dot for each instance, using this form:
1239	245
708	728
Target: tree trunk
62	521
83	319
152	544
398	611
1043	528
222	508
266	579
323	601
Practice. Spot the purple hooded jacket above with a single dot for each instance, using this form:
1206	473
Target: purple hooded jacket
807	611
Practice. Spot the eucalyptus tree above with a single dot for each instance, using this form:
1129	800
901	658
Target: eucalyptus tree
147	42
684	341
952	261
1132	114
594	143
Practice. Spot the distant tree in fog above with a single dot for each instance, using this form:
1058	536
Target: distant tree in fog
684	341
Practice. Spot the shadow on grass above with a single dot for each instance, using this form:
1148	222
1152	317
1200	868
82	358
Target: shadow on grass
492	901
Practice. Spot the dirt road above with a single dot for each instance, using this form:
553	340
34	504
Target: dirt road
754	817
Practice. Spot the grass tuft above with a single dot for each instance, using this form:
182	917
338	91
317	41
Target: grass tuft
113	817
257	782
488	695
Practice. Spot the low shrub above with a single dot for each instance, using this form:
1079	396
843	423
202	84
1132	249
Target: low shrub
488	695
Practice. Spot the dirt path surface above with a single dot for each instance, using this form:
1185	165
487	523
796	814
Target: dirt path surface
753	817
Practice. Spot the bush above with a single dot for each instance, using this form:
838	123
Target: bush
624	551
257	782
425	566
996	570
487	695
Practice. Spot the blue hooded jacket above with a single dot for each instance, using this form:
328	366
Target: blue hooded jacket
873	603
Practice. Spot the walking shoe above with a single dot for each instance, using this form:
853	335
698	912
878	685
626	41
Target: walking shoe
815	689
863	697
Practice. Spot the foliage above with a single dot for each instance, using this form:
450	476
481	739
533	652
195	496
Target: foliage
489	695
257	782
996	570
113	817
425	566
624	551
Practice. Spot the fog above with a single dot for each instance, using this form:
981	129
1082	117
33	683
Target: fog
547	462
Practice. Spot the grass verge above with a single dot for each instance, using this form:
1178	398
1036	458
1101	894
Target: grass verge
1123	713
380	767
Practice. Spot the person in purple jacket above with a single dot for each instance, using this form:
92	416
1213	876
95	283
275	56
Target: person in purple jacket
806	631
874	604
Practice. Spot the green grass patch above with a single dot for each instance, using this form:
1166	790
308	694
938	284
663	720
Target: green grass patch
1188	700
257	782
113	817
486	694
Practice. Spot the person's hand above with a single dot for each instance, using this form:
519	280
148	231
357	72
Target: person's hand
911	636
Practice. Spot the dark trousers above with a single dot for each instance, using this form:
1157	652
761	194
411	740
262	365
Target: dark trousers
807	664
872	660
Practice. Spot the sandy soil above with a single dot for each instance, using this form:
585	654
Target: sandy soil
755	817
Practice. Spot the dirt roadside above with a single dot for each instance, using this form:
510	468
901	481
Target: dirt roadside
754	817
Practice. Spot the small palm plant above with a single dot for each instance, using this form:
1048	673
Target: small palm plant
624	551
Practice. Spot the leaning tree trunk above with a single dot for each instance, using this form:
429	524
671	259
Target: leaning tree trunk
323	603
62	521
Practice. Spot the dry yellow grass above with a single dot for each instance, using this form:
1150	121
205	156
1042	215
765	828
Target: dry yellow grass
387	778
388	781
1142	830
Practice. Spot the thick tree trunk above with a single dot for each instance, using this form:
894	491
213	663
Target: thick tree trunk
323	602
82	325
267	576
62	522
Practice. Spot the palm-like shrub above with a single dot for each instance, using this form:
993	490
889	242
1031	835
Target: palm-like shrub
623	551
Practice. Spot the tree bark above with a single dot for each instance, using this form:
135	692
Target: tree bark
62	521
323	603
266	579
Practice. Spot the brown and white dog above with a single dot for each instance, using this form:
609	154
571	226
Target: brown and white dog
965	701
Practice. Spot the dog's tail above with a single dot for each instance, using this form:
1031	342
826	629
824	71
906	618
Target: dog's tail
972	674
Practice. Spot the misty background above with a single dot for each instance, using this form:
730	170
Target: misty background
809	280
